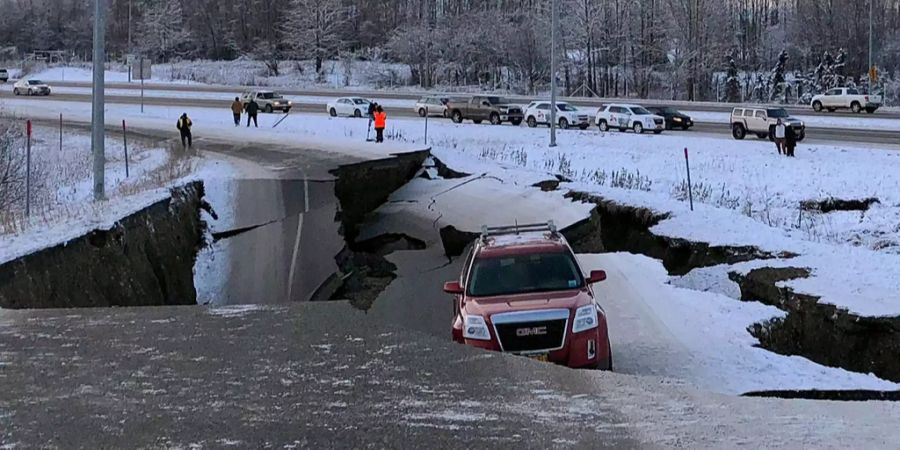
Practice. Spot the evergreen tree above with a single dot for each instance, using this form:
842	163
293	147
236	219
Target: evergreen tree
777	81
732	84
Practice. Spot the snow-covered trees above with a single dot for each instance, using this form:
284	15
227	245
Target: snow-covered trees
611	47
314	29
777	80
161	33
732	84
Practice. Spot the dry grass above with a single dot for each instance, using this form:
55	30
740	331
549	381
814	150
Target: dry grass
61	180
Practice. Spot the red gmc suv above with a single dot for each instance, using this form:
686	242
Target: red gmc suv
522	291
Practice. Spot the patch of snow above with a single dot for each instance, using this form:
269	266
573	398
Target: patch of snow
235	311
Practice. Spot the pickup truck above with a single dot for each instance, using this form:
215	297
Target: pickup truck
846	98
480	108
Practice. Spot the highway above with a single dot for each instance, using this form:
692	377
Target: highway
814	134
580	101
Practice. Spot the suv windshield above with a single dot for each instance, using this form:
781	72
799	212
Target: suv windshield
640	111
566	107
519	274
777	113
270	95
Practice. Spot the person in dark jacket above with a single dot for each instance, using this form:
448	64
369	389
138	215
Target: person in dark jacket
372	107
252	111
790	141
237	108
184	126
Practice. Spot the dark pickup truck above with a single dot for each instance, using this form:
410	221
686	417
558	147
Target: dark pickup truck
480	108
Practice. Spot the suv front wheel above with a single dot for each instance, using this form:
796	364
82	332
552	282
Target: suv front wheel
603	126
738	131
638	128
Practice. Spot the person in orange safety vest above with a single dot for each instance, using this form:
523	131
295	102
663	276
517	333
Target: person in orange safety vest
380	121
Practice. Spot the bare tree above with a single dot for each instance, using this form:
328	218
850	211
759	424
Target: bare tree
314	29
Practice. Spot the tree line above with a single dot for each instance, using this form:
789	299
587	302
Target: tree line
643	48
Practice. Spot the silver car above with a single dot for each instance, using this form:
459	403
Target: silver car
31	87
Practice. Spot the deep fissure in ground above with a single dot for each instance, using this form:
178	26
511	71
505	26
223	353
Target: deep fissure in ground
821	332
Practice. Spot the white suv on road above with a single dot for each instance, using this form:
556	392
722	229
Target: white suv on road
625	117
538	113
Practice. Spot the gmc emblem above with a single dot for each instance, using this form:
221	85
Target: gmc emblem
533	331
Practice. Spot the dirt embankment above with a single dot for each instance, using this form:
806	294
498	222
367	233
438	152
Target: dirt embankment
144	259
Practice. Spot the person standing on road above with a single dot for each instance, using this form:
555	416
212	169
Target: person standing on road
237	108
790	141
252	111
779	137
184	126
380	122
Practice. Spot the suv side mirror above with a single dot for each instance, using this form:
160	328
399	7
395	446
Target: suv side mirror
453	288
596	276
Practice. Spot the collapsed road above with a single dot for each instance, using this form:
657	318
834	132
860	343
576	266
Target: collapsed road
316	374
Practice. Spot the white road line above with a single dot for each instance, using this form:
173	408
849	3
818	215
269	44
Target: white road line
299	232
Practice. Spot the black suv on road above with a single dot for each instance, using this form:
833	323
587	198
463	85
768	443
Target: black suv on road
674	118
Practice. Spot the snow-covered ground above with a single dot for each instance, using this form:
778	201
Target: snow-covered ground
699	337
62	196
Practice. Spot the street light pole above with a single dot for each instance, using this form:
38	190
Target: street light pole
553	73
98	116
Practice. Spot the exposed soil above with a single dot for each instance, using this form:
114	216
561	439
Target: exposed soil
835	204
818	331
145	259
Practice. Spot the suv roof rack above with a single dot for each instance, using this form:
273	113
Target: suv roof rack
549	226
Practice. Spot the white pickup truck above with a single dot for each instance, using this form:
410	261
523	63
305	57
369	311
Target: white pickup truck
846	98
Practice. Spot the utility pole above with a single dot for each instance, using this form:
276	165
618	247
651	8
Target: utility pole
98	117
871	61
553	73
130	60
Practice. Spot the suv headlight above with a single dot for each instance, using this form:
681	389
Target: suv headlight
474	327
585	319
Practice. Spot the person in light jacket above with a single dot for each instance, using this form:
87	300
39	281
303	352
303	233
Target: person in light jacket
779	137
237	108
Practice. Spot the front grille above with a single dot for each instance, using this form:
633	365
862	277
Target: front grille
531	336
514	111
658	121
583	118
